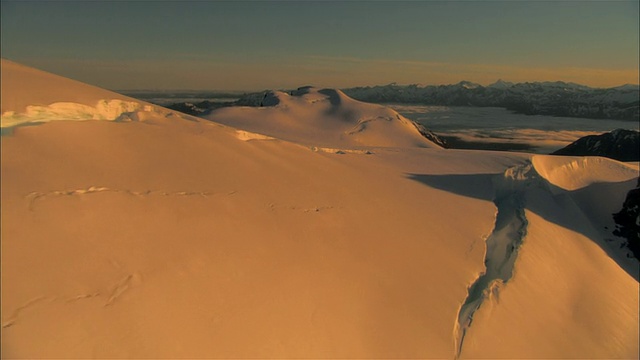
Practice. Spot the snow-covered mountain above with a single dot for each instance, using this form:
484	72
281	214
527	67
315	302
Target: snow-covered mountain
620	144
627	87
501	84
169	236
326	117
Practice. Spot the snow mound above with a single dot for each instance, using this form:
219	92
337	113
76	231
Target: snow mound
573	173
325	118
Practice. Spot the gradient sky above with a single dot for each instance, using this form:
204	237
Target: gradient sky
259	45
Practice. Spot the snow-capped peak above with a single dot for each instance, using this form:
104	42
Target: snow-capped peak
468	84
625	87
500	84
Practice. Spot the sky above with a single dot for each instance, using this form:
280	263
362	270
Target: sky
256	45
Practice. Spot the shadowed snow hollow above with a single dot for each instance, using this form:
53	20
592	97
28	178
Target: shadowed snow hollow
326	117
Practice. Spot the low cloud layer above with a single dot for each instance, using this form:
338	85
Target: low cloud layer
496	125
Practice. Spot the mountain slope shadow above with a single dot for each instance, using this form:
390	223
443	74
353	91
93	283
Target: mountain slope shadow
477	186
548	201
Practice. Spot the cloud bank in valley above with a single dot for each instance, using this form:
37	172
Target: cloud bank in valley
496	125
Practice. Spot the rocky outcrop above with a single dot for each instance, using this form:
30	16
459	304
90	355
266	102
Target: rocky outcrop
620	144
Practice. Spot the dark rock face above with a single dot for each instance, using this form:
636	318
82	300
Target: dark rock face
628	221
198	109
621	145
430	135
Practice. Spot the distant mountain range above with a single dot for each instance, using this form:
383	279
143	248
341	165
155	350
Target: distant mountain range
536	98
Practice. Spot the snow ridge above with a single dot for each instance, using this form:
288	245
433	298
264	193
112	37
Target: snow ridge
501	246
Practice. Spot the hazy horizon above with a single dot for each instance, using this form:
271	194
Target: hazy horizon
242	91
244	46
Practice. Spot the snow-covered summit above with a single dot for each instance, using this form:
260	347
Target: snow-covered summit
326	117
500	84
468	85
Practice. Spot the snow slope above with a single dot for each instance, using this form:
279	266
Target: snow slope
168	238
